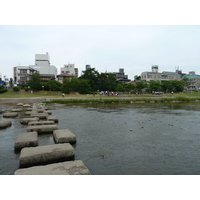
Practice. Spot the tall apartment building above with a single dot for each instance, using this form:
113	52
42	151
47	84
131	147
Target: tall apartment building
42	65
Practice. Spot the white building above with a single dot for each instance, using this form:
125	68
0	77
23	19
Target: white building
42	66
21	75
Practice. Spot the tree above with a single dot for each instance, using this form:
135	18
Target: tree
84	86
107	82
11	82
129	87
136	77
177	85
66	86
52	85
166	86
140	86
154	86
120	87
185	82
74	84
35	82
92	76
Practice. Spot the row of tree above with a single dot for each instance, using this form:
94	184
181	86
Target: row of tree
91	81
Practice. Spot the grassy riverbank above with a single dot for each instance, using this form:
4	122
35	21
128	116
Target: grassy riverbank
125	100
55	97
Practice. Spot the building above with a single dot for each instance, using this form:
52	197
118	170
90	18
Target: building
63	76
22	75
194	81
69	69
120	76
154	75
42	66
76	72
87	67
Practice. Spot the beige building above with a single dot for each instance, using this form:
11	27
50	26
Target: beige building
154	75
69	69
63	76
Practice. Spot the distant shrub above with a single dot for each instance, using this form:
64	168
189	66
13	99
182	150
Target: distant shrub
26	89
16	88
3	90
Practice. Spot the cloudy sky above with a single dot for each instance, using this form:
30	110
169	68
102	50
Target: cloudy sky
107	48
106	45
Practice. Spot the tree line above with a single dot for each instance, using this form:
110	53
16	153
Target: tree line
92	81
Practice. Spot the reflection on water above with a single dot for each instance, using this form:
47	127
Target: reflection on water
122	138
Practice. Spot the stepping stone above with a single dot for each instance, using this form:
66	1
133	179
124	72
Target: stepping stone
28	113
64	136
6	123
16	110
76	167
26	105
28	139
52	118
35	123
42	128
40	115
10	115
29	109
48	111
41	155
27	120
20	104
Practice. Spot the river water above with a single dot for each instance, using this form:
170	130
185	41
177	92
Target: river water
121	139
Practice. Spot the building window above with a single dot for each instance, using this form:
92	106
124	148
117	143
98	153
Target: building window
22	78
23	71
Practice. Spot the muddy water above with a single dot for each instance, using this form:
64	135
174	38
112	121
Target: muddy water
122	139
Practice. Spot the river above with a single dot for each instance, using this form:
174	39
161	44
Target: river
121	139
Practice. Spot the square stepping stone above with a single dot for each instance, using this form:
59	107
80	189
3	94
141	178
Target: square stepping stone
52	118
76	167
64	136
42	128
28	139
35	123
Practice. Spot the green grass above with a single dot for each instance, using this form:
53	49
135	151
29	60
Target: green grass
129	100
76	98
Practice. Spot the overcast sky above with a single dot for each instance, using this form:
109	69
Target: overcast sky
106	48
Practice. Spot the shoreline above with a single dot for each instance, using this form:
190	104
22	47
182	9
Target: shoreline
14	101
